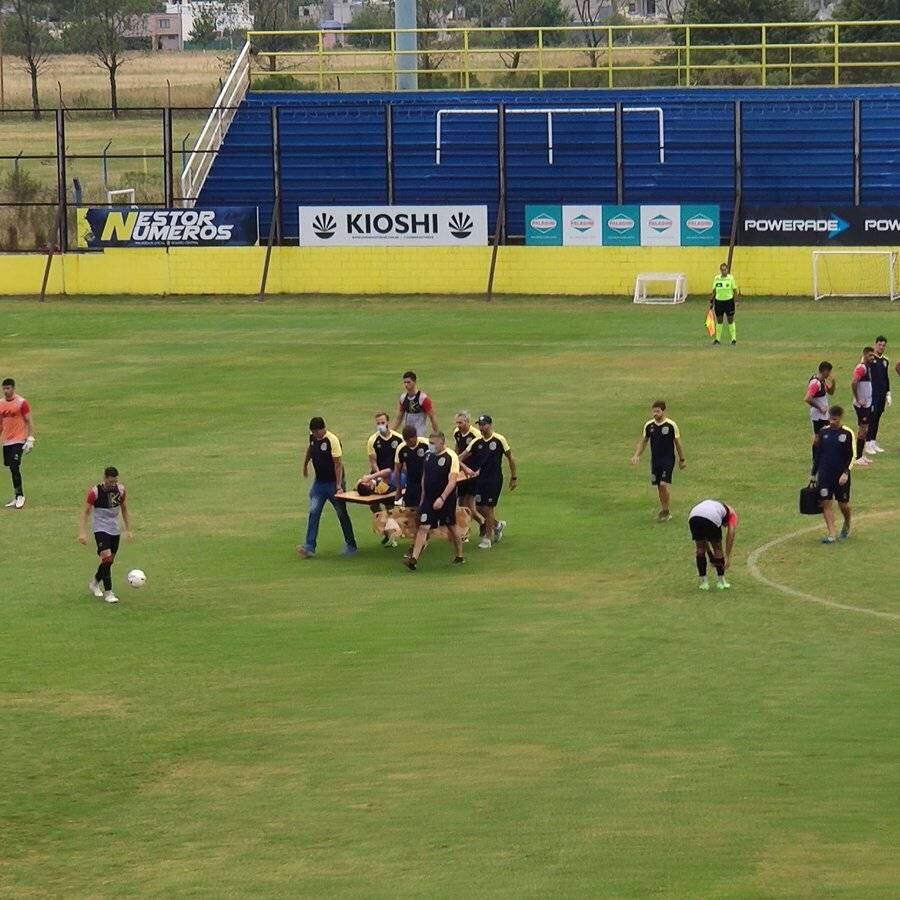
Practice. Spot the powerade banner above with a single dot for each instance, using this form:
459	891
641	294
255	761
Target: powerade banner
803	226
222	226
543	226
393	226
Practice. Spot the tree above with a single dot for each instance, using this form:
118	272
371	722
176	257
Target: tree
740	11
591	13
371	18
206	20
870	11
28	35
101	28
531	14
275	15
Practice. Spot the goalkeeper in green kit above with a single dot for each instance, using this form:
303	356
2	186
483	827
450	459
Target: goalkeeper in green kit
724	294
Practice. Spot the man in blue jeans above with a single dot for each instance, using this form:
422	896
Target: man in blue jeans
324	451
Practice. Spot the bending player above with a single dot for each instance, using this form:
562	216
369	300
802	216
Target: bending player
705	521
105	501
438	506
832	462
664	439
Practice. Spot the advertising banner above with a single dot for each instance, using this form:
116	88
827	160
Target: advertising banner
393	226
543	226
700	226
221	226
660	226
803	226
582	226
621	226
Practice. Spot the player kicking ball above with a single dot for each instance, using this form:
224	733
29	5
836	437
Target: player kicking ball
705	521
105	501
664	438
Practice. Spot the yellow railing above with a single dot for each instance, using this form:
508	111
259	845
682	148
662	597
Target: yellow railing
771	54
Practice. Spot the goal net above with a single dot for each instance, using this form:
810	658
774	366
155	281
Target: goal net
855	273
660	287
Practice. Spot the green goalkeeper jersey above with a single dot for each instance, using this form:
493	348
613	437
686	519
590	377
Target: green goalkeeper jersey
725	287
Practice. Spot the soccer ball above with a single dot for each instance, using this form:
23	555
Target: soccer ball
136	578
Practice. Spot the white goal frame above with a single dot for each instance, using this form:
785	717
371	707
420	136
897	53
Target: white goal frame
679	287
127	193
892	288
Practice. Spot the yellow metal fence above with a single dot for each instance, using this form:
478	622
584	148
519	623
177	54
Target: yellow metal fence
772	54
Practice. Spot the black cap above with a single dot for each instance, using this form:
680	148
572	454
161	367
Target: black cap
484	420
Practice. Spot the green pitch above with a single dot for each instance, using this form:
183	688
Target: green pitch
566	716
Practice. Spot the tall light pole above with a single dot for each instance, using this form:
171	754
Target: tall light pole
406	44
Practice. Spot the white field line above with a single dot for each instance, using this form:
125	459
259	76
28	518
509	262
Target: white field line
755	555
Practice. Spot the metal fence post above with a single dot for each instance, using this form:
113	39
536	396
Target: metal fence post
837	54
501	162
61	180
389	148
620	157
857	151
540	57
764	58
687	55
276	175
168	180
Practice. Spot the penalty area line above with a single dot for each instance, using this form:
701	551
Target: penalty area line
753	568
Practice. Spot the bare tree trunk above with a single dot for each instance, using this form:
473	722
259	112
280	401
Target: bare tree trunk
113	92
35	99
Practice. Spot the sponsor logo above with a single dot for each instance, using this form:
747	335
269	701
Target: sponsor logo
543	223
832	226
390	224
699	224
660	223
620	224
324	226
842	438
493	445
823	492
323	445
582	223
420	451
884	225
665	429
164	226
460	225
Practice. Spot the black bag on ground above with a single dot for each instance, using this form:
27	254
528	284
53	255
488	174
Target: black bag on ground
809	501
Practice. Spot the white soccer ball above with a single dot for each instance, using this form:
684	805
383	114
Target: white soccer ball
136	578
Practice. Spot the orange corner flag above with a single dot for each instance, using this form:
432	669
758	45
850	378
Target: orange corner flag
710	323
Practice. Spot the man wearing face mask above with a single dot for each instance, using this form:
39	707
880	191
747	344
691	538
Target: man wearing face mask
382	450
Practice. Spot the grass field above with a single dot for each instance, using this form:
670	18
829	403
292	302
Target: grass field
566	716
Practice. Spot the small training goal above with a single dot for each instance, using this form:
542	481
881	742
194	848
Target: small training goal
855	273
660	287
120	197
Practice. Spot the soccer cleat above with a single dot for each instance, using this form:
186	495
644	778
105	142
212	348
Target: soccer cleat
664	516
828	539
410	563
722	585
484	544
459	560
704	585
110	597
11	503
305	553
716	342
845	533
862	461
498	531
734	342
870	448
348	551
385	540
95	589
20	501
877	448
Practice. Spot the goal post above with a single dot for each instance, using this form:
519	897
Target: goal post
120	197
660	287
855	273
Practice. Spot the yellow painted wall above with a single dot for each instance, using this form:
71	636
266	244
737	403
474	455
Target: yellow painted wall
588	271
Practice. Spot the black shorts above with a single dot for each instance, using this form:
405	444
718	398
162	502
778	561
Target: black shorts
412	495
466	488
487	491
662	473
819	424
724	308
829	488
106	542
12	454
704	530
434	518
862	414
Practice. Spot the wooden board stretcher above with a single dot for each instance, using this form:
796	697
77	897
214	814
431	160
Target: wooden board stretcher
372	500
